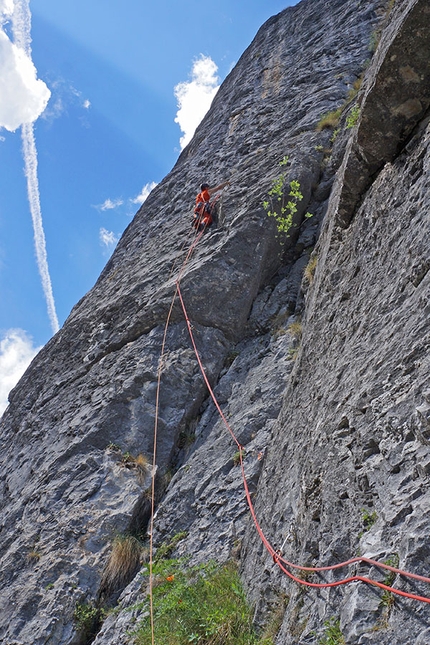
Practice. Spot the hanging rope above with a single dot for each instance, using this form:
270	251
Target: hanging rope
154	457
277	557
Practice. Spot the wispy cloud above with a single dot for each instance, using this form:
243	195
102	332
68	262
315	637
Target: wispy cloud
108	239
63	95
139	199
109	204
21	27
16	353
195	96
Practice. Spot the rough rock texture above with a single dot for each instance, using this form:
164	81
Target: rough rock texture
333	422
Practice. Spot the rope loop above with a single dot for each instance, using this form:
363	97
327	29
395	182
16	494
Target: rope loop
276	554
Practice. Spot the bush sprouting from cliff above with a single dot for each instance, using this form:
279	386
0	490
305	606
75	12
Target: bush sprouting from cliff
203	604
282	205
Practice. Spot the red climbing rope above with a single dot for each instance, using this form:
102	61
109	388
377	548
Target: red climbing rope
283	564
277	558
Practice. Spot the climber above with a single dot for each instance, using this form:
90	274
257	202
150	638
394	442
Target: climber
204	212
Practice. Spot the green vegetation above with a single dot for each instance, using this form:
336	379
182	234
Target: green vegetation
127	459
292	354
139	464
166	549
374	40
231	356
332	634
283	206
352	118
332	119
368	518
387	597
274	622
204	604
87	621
334	135
354	90
114	447
278	322
236	456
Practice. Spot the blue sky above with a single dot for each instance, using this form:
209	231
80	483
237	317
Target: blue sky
103	112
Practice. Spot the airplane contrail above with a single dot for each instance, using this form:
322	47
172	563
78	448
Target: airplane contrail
30	160
21	27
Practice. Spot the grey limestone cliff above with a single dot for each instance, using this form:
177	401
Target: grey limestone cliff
333	410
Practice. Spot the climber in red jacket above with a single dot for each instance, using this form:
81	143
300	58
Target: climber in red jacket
203	212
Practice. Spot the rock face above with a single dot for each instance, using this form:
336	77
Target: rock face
333	410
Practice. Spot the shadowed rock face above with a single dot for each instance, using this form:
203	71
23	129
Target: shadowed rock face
332	423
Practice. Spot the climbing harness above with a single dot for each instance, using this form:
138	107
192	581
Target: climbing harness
276	554
205	212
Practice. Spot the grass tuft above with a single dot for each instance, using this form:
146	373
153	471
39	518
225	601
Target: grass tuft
122	565
310	269
295	330
329	120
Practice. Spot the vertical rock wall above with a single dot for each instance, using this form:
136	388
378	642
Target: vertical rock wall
346	473
84	411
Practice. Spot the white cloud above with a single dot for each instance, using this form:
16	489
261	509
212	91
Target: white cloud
144	193
107	238
195	97
6	9
16	353
86	104
23	97
109	204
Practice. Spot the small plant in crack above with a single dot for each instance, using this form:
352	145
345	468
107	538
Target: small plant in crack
236	457
283	200
332	633
368	519
87	619
387	598
165	550
353	116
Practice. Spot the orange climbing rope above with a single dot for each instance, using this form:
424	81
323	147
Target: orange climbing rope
195	241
